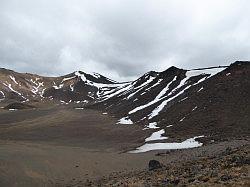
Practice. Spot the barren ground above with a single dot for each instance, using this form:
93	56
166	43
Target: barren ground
62	146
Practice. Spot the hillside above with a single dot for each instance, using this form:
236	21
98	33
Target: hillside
213	97
69	127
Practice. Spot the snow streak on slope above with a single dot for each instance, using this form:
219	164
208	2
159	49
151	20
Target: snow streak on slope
2	95
157	98
119	89
141	87
113	90
157	110
10	87
13	79
97	88
180	89
105	91
67	79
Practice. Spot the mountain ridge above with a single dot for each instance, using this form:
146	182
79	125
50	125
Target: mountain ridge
210	104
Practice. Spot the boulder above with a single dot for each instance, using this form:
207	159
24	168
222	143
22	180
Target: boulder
154	164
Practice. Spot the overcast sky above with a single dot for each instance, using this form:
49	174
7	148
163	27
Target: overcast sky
121	39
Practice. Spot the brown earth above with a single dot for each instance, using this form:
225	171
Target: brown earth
57	144
62	146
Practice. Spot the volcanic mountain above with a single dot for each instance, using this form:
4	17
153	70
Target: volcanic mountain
213	101
61	131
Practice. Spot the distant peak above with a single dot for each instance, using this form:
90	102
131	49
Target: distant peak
5	70
94	77
173	70
151	73
241	63
79	72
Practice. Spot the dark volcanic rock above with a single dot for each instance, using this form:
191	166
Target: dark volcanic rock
18	106
154	164
190	173
218	107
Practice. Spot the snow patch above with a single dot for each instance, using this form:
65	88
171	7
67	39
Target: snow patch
182	119
71	87
183	99
125	120
194	108
3	95
69	78
189	143
58	87
210	72
152	125
156	136
12	109
10	87
200	89
96	75
13	79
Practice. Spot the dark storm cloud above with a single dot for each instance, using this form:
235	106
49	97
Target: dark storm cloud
121	38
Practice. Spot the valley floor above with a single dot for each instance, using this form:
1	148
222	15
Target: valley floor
39	164
30	164
62	146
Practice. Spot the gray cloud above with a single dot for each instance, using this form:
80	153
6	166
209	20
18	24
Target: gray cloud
121	38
